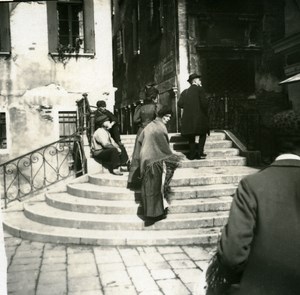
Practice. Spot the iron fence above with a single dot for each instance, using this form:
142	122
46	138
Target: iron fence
42	167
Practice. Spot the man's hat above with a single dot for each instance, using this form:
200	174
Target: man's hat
101	103
100	120
192	77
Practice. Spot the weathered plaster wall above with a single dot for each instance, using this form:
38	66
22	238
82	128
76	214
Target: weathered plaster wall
31	78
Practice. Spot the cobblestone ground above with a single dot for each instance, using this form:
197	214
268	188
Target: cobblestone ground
48	269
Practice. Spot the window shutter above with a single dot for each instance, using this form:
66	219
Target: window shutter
89	31
4	28
52	26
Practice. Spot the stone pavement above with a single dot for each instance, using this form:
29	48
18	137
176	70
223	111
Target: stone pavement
36	268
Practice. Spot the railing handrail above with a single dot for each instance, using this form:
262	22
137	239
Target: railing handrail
42	147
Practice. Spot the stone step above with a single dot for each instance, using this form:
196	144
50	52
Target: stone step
92	191
218	153
215	162
185	176
42	213
217	144
65	201
200	192
18	225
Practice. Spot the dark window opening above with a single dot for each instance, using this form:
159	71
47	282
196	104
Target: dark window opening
4	28
3	139
229	76
67	123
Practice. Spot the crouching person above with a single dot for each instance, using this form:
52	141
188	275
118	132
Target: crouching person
105	149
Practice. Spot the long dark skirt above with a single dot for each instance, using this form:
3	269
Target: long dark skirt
151	192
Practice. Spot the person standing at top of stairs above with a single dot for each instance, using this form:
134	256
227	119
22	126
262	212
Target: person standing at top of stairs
113	129
195	119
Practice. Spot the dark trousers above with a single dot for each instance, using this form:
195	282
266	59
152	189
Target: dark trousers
115	134
110	158
192	144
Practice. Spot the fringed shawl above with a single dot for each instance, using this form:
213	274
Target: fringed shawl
153	145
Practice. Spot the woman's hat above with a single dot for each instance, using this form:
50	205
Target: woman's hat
192	77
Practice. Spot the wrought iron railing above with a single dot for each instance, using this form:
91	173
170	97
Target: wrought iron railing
86	122
241	116
42	167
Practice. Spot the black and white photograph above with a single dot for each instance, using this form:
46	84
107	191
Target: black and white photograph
150	147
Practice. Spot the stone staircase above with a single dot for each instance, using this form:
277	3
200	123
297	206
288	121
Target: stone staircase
98	209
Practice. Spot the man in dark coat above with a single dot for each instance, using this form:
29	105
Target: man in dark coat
195	116
259	249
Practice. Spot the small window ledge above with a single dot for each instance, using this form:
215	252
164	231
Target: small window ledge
76	55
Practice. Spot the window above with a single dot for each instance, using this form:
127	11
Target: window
71	26
67	123
3	140
4	28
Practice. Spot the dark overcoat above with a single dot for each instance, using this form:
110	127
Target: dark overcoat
261	241
194	119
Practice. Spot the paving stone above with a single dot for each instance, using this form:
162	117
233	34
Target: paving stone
107	255
20	286
142	279
22	276
79	249
203	264
185	263
53	277
116	278
28	253
147	249
82	270
54	247
175	256
83	284
22	267
87	292
158	265
152	257
189	275
26	260
196	252
151	292
131	257
107	267
167	250
120	290
54	253
173	287
162	274
81	258
54	289
54	260
53	267
196	288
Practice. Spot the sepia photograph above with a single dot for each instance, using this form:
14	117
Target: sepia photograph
150	147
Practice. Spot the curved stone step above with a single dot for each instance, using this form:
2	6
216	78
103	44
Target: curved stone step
176	137
18	225
65	201
205	191
217	162
185	176
217	144
93	191
41	212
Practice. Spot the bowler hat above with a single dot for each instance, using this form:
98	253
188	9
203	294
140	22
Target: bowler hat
101	103
192	77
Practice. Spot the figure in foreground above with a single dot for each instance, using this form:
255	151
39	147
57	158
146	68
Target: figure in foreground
154	151
259	250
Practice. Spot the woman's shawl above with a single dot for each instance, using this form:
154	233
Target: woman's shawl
153	145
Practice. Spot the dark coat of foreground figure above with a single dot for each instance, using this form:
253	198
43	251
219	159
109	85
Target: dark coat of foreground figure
259	249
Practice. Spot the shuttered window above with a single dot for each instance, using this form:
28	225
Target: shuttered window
71	25
3	140
4	28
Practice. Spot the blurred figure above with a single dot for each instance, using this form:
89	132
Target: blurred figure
143	115
105	149
194	119
113	129
3	260
259	250
154	151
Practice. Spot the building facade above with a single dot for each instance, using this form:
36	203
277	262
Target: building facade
50	53
230	43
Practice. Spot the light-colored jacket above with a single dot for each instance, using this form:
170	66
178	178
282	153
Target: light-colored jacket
102	140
